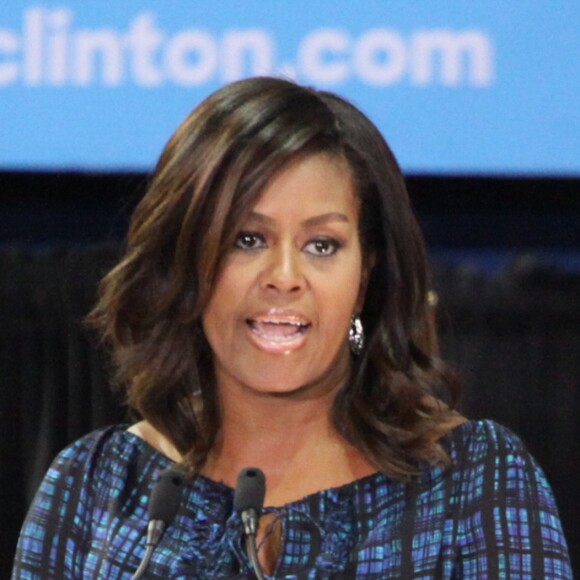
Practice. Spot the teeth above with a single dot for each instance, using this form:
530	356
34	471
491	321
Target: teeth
278	330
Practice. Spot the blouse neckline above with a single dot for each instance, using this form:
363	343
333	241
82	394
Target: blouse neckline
345	488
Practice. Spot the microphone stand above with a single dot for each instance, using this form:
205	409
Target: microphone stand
250	520
163	505
248	500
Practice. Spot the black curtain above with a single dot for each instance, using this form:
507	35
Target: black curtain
513	336
54	384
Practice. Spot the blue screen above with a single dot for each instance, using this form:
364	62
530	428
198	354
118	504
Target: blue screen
456	87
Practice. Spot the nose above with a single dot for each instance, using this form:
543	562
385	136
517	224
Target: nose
283	272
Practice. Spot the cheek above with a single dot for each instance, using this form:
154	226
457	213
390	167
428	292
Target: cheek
339	316
222	314
340	302
218	314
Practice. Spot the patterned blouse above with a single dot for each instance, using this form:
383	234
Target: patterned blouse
491	515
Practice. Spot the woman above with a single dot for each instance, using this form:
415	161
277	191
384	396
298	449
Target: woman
272	309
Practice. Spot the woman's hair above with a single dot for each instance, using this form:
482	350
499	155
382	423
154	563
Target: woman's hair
208	178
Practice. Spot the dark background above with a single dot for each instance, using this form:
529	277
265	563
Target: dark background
506	260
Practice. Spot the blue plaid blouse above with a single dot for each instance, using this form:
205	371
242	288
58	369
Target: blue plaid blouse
492	515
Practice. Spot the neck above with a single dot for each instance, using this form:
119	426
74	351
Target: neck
264	426
289	437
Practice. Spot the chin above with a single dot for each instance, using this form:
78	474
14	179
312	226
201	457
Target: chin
267	387
299	388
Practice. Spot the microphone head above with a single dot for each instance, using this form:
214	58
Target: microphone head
250	490
166	495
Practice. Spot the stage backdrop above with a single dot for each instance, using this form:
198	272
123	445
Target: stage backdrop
457	87
514	336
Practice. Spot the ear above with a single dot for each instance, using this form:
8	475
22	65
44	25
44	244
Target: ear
368	265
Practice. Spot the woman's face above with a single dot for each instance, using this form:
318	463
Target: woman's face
279	315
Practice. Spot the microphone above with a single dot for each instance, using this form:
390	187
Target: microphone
163	505
249	500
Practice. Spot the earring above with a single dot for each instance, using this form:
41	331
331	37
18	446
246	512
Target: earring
356	335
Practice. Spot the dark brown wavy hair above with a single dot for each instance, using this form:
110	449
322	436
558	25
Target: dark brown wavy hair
209	176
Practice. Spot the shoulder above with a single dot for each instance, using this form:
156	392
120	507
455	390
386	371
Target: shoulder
504	503
475	444
503	491
92	482
483	452
104	440
155	439
93	471
104	459
99	444
484	436
493	474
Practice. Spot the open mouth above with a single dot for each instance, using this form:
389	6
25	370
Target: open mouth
277	330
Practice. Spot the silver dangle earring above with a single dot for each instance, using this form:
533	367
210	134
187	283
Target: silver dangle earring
356	335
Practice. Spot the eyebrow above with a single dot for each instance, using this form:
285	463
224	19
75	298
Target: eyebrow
333	216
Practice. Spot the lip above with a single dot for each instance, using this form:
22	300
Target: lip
280	316
266	333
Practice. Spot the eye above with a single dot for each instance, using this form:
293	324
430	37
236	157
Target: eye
322	247
250	241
